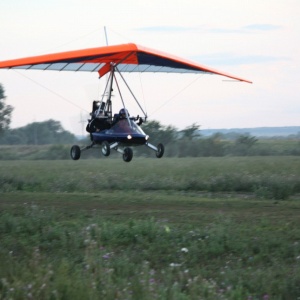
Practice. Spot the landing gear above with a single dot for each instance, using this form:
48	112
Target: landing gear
128	154
75	152
160	150
105	148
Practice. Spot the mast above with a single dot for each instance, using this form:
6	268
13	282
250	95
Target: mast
108	107
106	40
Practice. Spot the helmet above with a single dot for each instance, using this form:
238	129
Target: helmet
123	112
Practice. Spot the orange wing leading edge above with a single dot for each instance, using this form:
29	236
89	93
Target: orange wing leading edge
127	58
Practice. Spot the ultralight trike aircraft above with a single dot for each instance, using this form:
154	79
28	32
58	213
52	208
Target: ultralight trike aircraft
120	131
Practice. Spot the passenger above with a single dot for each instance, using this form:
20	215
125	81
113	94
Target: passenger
99	121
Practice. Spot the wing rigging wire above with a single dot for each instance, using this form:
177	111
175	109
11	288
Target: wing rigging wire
51	91
174	96
73	40
131	92
142	89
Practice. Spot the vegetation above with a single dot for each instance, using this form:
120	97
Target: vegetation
187	142
203	227
78	248
269	177
5	112
185	228
38	133
202	147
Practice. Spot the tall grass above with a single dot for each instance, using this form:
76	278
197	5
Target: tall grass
268	177
50	254
105	229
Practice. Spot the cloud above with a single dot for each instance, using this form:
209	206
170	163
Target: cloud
262	27
252	28
164	28
218	59
247	29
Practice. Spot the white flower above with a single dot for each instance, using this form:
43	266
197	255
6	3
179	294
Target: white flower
185	250
174	265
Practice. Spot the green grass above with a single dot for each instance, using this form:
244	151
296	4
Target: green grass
265	177
102	229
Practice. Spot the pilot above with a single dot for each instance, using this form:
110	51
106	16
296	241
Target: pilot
123	113
121	120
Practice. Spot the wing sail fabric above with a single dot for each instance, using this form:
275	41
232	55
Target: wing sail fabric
127	58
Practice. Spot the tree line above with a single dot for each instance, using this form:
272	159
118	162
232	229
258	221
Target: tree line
38	133
190	142
5	111
178	143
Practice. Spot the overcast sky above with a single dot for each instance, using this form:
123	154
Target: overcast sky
258	40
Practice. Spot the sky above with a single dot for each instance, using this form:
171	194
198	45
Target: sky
258	40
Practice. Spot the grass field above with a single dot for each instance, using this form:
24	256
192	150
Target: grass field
208	228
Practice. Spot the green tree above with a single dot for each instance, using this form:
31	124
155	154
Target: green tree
191	132
247	140
5	111
212	146
188	143
158	133
244	144
38	133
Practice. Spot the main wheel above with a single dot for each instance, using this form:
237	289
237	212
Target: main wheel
75	152
105	148
127	155
160	150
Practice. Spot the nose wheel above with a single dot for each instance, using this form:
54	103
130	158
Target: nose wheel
160	150
105	148
127	154
75	152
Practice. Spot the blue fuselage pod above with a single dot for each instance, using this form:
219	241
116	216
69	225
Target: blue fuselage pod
124	132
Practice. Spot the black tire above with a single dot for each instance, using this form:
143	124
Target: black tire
105	148
160	150
127	155
75	152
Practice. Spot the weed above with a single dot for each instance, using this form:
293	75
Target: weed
272	177
48	253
